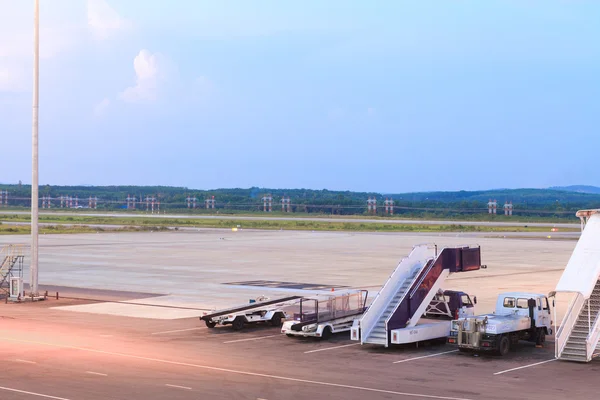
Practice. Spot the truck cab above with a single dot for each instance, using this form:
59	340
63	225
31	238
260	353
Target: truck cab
518	316
450	304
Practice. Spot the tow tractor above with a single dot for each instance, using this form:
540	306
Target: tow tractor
261	309
518	316
450	304
323	315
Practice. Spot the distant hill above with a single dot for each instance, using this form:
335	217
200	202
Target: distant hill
578	189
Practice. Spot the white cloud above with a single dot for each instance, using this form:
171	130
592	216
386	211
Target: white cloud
101	107
104	21
150	70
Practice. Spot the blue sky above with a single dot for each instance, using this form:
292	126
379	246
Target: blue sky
388	96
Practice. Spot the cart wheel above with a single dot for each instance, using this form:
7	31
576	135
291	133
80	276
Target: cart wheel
210	324
504	346
326	333
276	320
238	324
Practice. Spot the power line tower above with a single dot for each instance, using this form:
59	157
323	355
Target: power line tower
267	201
285	204
389	206
210	202
372	205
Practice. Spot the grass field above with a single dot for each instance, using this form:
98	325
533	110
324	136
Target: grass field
147	223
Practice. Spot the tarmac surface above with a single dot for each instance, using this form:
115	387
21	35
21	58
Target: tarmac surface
126	324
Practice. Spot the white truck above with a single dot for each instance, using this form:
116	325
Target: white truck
323	315
518	316
261	309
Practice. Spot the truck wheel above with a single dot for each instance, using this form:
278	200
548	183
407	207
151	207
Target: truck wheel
237	324
210	324
504	346
541	337
276	320
326	333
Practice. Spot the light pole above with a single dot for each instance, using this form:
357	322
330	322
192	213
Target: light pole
33	283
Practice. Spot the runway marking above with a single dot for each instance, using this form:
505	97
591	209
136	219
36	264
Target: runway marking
179	330
25	361
95	373
238	372
430	355
32	393
250	339
524	366
178	387
331	348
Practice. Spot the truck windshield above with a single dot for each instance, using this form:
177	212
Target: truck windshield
465	300
509	302
522	303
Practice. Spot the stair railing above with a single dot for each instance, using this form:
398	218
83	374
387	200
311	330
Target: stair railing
427	264
569	320
594	334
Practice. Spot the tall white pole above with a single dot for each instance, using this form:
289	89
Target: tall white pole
34	161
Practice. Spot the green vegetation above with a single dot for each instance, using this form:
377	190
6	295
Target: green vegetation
148	223
63	229
529	204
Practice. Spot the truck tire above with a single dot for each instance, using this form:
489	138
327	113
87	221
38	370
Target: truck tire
210	324
238	323
504	346
276	320
541	337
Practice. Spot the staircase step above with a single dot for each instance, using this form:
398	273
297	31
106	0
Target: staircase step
370	340
574	353
568	357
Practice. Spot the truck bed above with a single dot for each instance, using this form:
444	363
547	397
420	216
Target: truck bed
499	324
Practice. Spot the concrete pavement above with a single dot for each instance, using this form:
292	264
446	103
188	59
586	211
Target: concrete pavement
48	352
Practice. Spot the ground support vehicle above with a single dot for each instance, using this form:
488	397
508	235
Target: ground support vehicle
518	316
450	304
323	315
257	310
396	314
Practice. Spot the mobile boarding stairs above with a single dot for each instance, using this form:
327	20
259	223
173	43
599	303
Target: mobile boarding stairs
578	336
393	316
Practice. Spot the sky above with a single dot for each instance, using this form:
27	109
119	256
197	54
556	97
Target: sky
385	96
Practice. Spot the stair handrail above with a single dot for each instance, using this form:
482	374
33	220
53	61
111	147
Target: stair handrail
428	263
423	276
566	326
368	315
594	333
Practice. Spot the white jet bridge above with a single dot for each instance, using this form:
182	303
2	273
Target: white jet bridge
578	335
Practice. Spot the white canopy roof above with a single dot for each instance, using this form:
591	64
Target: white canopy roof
583	269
